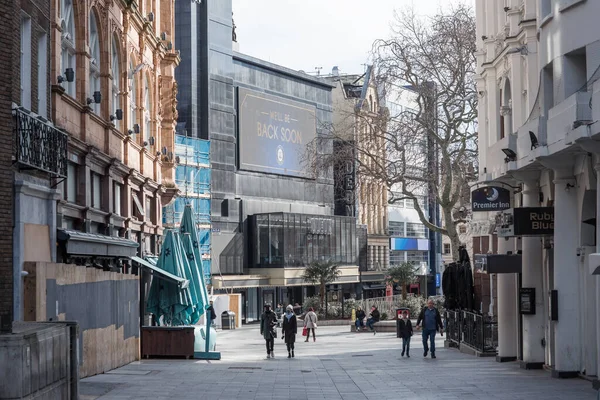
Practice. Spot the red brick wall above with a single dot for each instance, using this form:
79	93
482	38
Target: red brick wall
7	14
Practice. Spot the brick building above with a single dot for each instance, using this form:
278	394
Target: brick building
94	115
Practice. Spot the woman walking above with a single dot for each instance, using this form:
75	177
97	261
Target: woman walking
310	323
289	329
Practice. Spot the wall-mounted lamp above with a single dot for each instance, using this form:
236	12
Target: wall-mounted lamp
151	141
568	187
483	37
151	16
145	143
506	9
129	132
97	97
481	93
119	114
177	160
89	101
169	46
136	128
158	154
164	151
510	155
163	36
68	77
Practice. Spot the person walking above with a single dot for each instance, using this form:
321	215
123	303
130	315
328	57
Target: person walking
360	318
432	323
310	323
373	318
406	331
268	324
211	311
289	329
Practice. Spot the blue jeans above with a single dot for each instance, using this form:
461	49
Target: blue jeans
359	322
429	334
406	345
370	323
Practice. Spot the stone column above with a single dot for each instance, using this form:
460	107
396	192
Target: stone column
532	277
567	338
507	306
597	277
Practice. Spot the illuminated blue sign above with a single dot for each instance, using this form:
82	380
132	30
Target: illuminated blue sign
409	244
437	280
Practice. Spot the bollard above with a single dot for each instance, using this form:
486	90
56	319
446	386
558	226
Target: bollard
353	314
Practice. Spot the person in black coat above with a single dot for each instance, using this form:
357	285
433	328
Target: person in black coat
360	317
406	331
268	329
289	329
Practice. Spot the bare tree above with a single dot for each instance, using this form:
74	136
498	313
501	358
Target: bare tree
429	149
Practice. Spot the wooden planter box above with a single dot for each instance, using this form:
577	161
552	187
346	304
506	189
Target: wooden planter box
159	341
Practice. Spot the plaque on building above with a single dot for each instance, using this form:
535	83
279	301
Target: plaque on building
527	301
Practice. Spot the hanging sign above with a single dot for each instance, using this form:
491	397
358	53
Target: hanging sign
490	198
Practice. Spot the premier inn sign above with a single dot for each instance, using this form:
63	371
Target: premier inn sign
490	198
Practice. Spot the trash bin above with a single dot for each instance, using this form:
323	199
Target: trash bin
399	312
227	320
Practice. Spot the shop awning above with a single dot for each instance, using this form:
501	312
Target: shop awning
94	244
160	273
373	287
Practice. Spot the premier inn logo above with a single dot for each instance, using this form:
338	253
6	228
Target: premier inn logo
490	198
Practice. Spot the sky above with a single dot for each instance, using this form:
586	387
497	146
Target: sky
307	34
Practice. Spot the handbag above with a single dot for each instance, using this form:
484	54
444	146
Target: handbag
304	331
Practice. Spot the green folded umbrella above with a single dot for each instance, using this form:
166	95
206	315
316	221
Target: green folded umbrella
167	299
188	227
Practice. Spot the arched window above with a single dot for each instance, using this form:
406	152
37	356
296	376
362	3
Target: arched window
116	80
94	62
67	43
132	96
147	110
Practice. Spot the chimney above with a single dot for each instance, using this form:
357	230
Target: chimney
335	71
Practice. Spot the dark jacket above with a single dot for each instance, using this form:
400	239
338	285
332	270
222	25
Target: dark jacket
268	324
360	315
375	315
289	329
211	312
438	319
406	329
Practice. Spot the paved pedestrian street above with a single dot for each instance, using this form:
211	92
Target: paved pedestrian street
339	365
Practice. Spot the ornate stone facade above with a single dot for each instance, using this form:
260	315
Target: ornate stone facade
113	92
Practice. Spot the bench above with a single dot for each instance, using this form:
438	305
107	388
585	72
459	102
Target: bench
381	326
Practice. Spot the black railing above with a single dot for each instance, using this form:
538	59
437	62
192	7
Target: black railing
39	145
474	330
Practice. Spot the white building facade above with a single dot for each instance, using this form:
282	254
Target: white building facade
538	66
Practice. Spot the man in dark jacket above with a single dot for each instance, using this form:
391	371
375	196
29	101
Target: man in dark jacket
373	318
268	324
406	331
210	311
432	322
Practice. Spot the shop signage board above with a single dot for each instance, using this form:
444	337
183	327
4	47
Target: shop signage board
526	221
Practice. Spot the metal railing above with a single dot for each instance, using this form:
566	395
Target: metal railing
38	144
477	331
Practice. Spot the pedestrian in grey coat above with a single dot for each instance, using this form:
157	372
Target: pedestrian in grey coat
310	323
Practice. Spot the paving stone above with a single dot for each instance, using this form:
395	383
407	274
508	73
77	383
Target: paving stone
336	366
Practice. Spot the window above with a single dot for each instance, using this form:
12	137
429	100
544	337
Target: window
96	190
396	203
26	62
397	257
148	208
462	229
117	199
67	58
396	229
147	110
415	230
546	8
132	97
94	61
417	257
116	80
71	186
137	209
446	248
42	75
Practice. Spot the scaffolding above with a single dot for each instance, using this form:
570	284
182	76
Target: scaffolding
192	177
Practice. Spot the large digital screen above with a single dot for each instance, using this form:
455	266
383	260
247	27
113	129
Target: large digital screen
274	133
409	244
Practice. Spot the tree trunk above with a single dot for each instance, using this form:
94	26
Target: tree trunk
404	284
452	232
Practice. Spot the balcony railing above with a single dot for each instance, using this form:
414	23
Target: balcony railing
39	144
